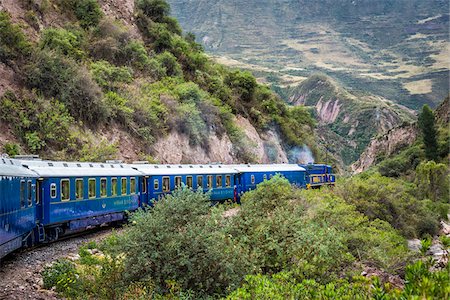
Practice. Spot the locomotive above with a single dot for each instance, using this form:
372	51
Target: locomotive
41	201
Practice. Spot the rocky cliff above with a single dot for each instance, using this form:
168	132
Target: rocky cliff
386	145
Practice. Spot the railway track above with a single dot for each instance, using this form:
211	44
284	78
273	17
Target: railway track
20	272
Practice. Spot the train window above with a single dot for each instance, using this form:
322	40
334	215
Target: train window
124	186
53	190
156	184
92	188
265	177
65	190
219	181
30	193
103	187
177	181
166	184
114	186
133	185
252	178
228	181
22	194
200	181
79	189
210	181
189	181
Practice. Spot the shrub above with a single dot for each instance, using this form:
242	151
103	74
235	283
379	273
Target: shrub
156	10
191	123
177	243
88	12
119	108
283	286
11	149
65	41
38	122
100	152
169	63
60	77
243	83
62	275
13	43
432	181
110	77
393	203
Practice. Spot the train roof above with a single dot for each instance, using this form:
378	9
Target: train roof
267	168
78	169
12	167
148	169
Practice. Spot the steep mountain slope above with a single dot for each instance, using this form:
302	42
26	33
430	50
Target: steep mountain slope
403	143
92	80
395	49
347	121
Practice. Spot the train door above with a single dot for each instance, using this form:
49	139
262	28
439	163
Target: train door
39	199
144	191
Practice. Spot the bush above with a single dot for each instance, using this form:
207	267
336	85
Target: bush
390	200
169	63
283	286
38	122
156	10
177	243
88	12
11	149
243	83
432	181
60	77
13	43
120	110
62	275
110	77
191	123
100	152
67	42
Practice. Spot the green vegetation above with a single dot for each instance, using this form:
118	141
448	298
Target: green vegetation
396	202
147	85
427	125
13	43
280	243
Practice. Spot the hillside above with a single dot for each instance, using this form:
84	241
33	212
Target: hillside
394	49
347	121
95	80
400	149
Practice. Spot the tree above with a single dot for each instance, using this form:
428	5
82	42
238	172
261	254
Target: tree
432	180
427	126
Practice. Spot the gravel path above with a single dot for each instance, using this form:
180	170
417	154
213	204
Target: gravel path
20	276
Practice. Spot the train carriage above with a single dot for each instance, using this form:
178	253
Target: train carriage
319	175
252	175
163	179
74	196
17	205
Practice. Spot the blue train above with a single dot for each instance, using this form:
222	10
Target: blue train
40	201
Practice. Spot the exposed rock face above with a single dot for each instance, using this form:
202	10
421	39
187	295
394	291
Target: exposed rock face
328	111
386	144
176	148
267	147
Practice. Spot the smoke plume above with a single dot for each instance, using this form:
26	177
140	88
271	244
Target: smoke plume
300	155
